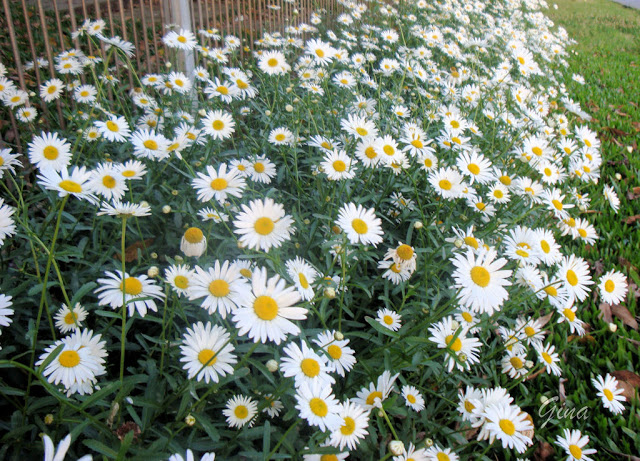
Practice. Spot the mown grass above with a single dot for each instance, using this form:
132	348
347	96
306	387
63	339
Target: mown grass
608	56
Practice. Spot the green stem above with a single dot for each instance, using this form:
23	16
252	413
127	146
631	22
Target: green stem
124	304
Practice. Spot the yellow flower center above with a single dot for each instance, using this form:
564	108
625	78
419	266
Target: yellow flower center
411	398
349	426
70	186
551	291
328	458
545	246
506	180
387	319
472	242
339	166
507	427
318	407
246	273
455	346
373	396
443	457
182	39
547	358
310	368
569	314
608	394
109	181
131	286
417	144
69	359
389	150
522	253
217	125
70	318
370	152
445	184
219	288
264	225
193	235
334	351
469	406
359	226
480	276
112	126
52	89
498	194
536	150
455	124
320	53
529	331
516	362
50	153
575	451
467	317
280	137
473	168
223	90
557	204
241	412
404	252
219	184
304	283
128	173
265	307
362	131
273	62
150	144
609	286
572	278
181	282
207	357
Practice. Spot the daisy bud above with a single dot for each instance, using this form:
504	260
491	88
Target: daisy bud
396	447
528	364
613	327
189	420
380	413
618	176
428	443
296	101
418	225
329	293
272	366
458	243
338	336
174	192
166	209
288	89
307	222
202	113
153	271
193	242
198	164
288	108
543	400
32	94
462	357
582	208
240	245
168	65
629	149
297	245
154	255
179	259
267	113
48	419
296	12
455	325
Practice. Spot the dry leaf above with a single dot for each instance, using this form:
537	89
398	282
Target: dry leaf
623	314
562	394
544	451
131	252
636	125
536	374
605	310
628	382
624	262
631	219
545	319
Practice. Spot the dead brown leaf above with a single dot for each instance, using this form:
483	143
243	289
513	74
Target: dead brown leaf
623	314
131	252
628	381
562	394
622	114
605	310
545	319
636	125
624	262
598	266
536	374
631	219
544	451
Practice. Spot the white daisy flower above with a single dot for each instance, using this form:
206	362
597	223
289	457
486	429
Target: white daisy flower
218	124
115	129
263	225
180	278
219	184
341	358
353	427
318	405
508	423
138	293
221	286
76	183
361	225
413	398
303	276
47	151
574	443
610	393
305	366
613	287
389	319
7	224
207	352
240	410
70	319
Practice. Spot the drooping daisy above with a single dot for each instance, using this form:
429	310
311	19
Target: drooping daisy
218	124
47	151
413	398
274	406
263	225
610	393
480	280
115	129
221	286
70	319
207	352
361	225
612	197
613	287
389	319
240	410
317	404
303	276
7	224
568	313
124	209
76	183
267	310
193	242
117	289
305	366
373	395
574	443
219	184
353	428
341	358
508	424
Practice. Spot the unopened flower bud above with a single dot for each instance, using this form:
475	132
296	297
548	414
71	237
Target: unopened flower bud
428	443
179	258
338	336
272	366
418	225
455	325
267	113
166	209
618	176
528	364
544	399
189	420
613	327
202	112
462	357
329	293
153	271
154	255
288	108
396	447
168	65
458	243
48	419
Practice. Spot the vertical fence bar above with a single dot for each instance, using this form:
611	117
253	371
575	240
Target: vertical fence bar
86	16
74	24
59	25
47	46
153	35
144	34
14	47
135	32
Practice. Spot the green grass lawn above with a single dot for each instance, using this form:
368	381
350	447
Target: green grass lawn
607	55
